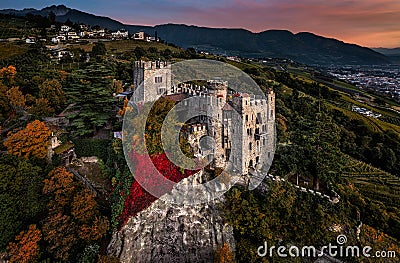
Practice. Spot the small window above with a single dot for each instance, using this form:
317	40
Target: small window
158	79
161	91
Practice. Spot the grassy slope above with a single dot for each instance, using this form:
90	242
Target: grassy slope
8	50
122	46
375	124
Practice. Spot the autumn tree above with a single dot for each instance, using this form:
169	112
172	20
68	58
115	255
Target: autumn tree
51	90
15	98
95	230
41	108
7	75
63	75
60	232
223	254
84	206
29	99
122	111
74	218
61	186
117	86
31	141
26	247
108	259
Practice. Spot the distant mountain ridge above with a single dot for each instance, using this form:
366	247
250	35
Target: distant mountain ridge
303	47
392	53
388	51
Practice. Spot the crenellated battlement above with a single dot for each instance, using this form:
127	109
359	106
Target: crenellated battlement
241	124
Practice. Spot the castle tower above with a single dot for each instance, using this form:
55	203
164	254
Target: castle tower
216	102
271	109
253	131
156	77
241	132
270	123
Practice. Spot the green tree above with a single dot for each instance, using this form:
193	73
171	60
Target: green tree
99	49
139	52
51	90
90	90
20	195
41	108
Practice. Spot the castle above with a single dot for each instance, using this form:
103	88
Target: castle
241	125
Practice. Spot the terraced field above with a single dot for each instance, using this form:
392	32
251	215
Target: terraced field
375	125
374	183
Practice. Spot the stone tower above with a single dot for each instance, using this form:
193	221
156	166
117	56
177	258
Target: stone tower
156	77
252	131
216	102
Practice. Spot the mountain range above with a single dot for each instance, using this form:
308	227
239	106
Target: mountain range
302	47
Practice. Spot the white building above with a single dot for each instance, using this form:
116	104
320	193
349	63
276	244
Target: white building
139	35
122	33
65	28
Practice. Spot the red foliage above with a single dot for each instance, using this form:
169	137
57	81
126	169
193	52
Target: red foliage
139	199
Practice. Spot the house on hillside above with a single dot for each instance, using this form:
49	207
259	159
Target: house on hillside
30	40
83	27
72	35
139	35
62	53
57	147
122	33
65	28
99	32
64	150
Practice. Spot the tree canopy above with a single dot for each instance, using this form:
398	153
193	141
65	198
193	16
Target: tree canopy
33	141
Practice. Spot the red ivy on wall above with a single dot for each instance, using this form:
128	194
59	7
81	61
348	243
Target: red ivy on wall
139	199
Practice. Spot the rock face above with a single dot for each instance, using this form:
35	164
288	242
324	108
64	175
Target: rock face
173	233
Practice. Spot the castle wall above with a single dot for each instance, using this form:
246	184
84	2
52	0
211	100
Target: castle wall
241	125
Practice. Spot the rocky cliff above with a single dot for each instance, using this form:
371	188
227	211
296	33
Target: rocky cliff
167	232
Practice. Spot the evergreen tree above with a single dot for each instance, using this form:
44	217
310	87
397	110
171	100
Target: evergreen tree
90	90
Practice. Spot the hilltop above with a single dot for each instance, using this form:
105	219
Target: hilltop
302	47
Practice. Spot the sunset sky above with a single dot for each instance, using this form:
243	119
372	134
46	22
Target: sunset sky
372	23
